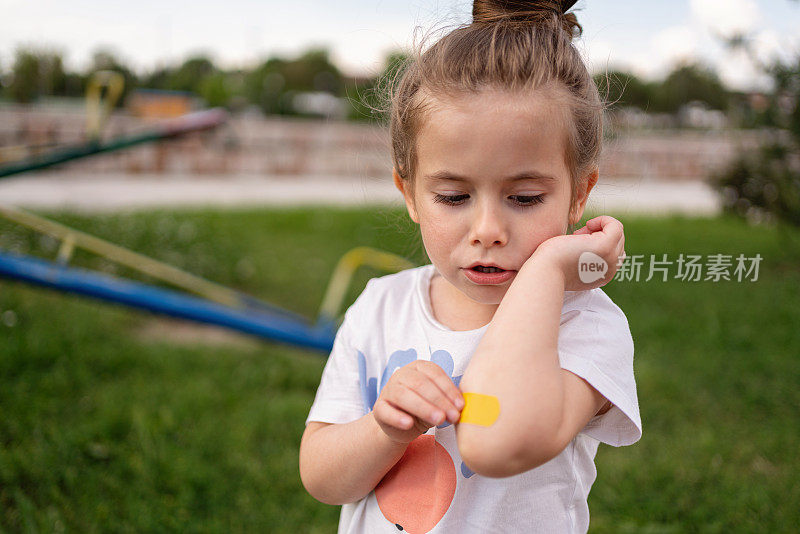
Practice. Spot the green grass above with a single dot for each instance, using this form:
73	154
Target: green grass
104	428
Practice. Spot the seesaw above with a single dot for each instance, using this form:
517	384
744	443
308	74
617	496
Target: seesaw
214	304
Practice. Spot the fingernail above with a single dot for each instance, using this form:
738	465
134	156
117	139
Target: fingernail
459	403
453	415
436	416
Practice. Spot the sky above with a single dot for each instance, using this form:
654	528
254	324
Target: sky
646	37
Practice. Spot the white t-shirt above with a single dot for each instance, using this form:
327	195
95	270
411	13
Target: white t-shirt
430	489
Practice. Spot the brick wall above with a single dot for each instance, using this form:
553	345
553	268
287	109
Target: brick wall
253	145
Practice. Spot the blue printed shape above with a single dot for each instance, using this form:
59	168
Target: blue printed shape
398	359
466	471
369	385
443	359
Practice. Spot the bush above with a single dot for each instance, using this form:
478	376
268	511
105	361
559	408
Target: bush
765	185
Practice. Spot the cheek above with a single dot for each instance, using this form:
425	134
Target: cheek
439	234
546	224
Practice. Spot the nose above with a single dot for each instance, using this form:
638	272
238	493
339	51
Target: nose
489	227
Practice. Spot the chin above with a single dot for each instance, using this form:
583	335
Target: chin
487	295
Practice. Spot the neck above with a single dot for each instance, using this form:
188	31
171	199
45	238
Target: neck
461	313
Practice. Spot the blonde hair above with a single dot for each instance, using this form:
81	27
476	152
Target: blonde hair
510	45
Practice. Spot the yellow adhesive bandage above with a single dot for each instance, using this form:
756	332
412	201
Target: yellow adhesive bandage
480	409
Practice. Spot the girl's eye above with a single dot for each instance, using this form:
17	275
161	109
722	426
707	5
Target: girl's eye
520	200
450	200
527	200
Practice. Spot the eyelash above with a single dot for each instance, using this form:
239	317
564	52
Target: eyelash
456	200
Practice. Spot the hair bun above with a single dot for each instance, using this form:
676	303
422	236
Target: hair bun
531	12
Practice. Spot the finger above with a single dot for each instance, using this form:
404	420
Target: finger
581	231
608	229
448	395
603	223
595	224
406	398
392	416
443	381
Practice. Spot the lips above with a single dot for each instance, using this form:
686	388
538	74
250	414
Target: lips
485	264
488	269
488	273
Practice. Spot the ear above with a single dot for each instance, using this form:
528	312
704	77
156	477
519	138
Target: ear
587	184
401	186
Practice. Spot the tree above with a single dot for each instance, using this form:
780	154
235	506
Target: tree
273	83
621	88
37	73
690	82
25	86
369	100
765	184
264	85
312	71
191	75
214	89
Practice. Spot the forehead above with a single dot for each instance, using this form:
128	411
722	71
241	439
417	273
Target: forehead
494	135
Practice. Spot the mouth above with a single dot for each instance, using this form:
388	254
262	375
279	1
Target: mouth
485	267
488	274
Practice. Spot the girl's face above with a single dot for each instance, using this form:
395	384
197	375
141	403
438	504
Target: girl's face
491	185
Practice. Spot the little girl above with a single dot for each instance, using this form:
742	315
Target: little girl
471	394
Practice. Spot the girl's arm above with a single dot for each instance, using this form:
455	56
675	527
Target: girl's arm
341	463
542	407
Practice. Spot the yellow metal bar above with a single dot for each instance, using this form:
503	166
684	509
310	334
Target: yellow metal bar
123	256
99	109
347	266
66	249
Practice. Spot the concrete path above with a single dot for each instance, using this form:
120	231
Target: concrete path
104	193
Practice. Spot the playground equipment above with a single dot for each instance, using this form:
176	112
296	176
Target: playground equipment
98	111
219	305
215	304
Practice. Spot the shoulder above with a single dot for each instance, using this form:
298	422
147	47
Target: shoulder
595	305
394	289
592	323
385	302
399	279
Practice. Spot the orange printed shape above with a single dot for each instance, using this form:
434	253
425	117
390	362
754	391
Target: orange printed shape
418	490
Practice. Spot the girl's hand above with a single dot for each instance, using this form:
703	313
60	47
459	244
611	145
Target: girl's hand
417	396
589	257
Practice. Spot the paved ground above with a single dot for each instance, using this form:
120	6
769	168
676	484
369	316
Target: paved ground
126	192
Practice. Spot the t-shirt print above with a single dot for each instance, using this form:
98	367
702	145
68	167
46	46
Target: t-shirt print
415	494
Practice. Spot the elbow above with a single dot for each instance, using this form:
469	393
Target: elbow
319	485
315	490
307	479
322	498
310	479
494	458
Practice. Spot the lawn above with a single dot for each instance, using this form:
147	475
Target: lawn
117	420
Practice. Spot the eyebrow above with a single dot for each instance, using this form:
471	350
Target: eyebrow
525	175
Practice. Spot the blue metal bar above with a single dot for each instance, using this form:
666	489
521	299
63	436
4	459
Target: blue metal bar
138	295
